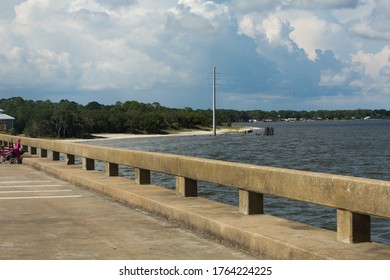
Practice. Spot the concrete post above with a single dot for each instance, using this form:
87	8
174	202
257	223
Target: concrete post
250	202
353	227
56	155
88	164
111	169
43	153
142	176
69	159
186	187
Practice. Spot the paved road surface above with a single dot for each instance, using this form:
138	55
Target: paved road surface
44	218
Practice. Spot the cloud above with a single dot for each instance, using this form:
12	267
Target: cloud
375	25
300	29
264	6
342	101
277	32
320	4
373	63
269	54
271	34
93	45
312	33
331	78
117	3
246	7
203	18
374	69
7	9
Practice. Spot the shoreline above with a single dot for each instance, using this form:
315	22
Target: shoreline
118	136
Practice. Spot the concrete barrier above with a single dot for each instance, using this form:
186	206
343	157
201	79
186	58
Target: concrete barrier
356	199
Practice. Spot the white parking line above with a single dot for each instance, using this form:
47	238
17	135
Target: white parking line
41	191
28	186
39	197
26	182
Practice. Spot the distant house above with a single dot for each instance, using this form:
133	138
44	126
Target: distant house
6	122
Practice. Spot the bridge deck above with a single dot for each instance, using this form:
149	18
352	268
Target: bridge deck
42	217
265	235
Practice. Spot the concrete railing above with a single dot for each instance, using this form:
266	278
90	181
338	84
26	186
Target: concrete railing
356	199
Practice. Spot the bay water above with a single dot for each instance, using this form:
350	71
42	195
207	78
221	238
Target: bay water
353	148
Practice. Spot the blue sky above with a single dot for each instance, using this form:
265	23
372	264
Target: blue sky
269	54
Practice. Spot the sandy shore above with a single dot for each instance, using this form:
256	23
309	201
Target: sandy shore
115	136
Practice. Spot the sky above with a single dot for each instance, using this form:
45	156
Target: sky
268	54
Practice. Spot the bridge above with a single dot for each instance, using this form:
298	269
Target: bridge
246	227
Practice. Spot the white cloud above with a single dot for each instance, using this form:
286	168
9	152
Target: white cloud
103	47
52	65
373	63
302	28
375	25
117	3
321	4
312	33
261	6
202	17
375	71
271	34
332	78
277	31
164	50
255	6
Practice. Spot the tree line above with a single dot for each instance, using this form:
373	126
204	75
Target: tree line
68	119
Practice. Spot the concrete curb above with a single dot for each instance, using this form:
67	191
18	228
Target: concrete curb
270	237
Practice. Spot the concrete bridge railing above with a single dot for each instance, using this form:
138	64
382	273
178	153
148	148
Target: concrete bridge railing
356	199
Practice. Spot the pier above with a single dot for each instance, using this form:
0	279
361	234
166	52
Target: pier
247	226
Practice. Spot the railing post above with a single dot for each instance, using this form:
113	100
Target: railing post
69	159
111	169
142	176
88	164
43	153
186	187
353	227
56	155
251	203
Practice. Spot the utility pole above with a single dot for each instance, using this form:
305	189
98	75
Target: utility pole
214	101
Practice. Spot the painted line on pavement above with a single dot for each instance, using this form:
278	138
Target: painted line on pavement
28	186
39	197
26	182
41	191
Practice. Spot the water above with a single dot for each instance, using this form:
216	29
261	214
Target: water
354	148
